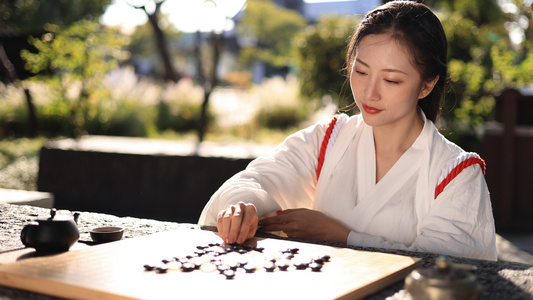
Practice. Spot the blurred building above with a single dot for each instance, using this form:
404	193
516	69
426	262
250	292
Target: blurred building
313	11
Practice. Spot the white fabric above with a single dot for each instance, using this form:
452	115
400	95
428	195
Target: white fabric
334	134
398	212
455	163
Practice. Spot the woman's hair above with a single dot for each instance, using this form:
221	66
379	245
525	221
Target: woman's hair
416	27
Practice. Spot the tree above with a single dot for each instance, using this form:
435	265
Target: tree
160	39
207	74
81	53
321	52
206	67
478	42
269	30
29	17
141	40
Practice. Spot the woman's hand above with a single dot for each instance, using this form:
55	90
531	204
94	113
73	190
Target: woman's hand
237	223
307	224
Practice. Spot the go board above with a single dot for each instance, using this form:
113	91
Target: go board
115	271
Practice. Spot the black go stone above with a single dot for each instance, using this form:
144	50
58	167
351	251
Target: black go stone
188	267
249	269
222	268
283	267
230	274
319	260
161	269
315	267
287	256
270	267
233	267
148	267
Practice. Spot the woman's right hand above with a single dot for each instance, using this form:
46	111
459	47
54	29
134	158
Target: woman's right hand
237	223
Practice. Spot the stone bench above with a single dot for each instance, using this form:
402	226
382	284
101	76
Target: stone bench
21	197
146	178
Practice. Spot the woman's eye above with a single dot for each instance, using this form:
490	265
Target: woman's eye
360	72
391	81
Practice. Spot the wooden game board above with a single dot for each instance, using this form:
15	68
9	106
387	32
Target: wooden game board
115	271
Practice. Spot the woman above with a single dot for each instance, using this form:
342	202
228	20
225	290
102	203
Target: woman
383	178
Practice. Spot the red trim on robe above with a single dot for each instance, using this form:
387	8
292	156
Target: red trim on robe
461	166
322	154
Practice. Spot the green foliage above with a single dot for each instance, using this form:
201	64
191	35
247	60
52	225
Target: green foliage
271	28
55	118
27	16
512	70
19	163
81	54
142	39
281	117
13	120
482	62
281	106
320	53
178	117
128	119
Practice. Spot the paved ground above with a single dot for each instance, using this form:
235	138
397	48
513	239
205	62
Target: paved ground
515	247
523	241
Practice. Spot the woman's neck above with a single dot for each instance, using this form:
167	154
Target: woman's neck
397	138
391	142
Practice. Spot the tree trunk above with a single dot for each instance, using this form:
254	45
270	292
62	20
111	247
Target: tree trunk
208	82
32	117
13	77
161	42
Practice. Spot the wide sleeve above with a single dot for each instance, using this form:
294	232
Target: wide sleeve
459	222
284	179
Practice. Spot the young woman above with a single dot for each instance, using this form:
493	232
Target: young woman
383	178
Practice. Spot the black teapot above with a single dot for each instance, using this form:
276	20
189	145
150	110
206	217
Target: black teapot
51	235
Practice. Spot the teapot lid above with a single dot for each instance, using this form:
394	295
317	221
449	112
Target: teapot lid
53	217
444	273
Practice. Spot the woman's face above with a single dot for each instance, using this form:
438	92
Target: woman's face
385	84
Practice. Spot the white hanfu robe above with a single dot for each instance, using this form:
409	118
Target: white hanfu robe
398	212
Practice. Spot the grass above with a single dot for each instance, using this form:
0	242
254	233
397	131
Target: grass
19	163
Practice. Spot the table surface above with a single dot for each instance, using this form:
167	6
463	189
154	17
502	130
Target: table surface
499	280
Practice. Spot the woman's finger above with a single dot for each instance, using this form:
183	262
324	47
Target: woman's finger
248	224
235	225
224	223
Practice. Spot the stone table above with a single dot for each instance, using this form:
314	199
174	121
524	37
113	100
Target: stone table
499	280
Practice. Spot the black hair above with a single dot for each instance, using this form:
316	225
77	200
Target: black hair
418	28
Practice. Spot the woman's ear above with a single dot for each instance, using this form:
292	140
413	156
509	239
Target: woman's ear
427	87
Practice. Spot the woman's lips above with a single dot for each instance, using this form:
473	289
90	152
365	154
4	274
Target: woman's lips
370	109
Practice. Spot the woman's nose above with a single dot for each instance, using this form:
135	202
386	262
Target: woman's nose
372	90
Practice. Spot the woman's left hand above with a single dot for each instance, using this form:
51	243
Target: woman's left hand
307	224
